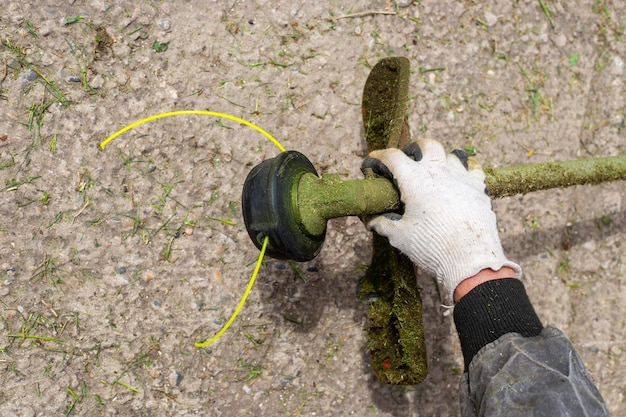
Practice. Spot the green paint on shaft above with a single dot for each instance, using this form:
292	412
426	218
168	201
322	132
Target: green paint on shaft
321	199
522	179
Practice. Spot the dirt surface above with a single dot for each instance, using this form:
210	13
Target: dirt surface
115	261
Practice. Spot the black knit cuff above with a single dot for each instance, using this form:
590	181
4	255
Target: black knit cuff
493	309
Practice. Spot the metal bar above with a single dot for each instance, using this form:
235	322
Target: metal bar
320	199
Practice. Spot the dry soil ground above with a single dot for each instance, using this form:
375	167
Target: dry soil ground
115	261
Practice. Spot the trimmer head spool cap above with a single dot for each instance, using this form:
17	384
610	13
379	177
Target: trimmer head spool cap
269	205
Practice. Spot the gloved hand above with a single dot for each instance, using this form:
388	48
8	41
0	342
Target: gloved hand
448	227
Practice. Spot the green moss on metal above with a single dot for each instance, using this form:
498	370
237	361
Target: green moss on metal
395	331
321	199
385	100
522	179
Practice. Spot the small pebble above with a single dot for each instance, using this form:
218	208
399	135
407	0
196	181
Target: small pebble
97	82
31	76
618	65
152	404
559	40
119	280
490	19
286	380
404	3
590	245
156	304
151	168
45	31
165	24
179	377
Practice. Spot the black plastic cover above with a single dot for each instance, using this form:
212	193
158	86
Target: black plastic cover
268	207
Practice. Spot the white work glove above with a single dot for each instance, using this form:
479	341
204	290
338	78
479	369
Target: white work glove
448	227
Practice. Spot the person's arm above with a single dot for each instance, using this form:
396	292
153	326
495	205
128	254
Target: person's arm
489	305
485	275
513	365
